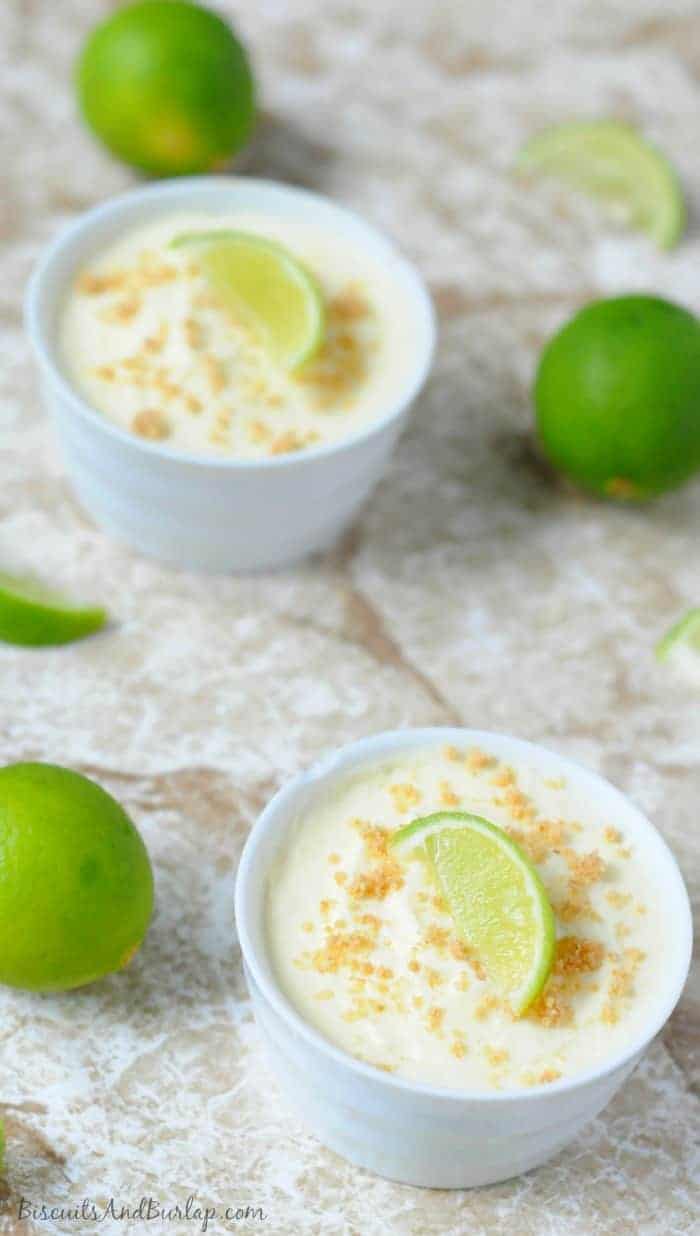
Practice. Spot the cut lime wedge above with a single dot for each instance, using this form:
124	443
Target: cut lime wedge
261	281
495	896
31	614
616	165
683	636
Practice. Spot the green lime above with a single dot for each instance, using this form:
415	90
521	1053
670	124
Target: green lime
617	397
34	615
683	637
167	87
495	896
616	165
76	887
261	280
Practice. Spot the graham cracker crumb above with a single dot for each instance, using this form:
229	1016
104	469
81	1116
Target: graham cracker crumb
437	937
350	304
486	1006
434	1019
458	1047
496	1055
151	424
194	337
621	983
612	835
518	804
123	311
617	899
95	285
375	837
477	760
405	796
289	441
448	798
575	956
339	949
504	778
215	373
584	868
433	977
376	884
259	432
106	373
156	343
458	949
541	1079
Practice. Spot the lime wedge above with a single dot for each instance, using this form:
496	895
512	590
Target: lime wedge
263	282
31	614
683	636
614	164
495	896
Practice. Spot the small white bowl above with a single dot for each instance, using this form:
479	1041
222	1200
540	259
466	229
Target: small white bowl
194	511
407	1131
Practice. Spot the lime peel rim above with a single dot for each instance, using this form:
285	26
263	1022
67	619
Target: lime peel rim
677	634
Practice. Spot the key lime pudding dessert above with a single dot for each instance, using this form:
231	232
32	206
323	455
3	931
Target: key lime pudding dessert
242	334
467	922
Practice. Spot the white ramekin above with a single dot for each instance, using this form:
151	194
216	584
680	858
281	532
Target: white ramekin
191	510
421	1134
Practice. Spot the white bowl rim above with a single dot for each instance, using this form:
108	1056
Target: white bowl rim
384	743
209	187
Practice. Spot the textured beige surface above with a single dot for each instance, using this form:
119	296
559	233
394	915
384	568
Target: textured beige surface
473	589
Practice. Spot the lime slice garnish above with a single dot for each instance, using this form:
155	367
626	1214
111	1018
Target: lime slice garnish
613	163
495	896
34	615
260	280
684	635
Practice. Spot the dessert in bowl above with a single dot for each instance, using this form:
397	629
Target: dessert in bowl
387	1027
183	431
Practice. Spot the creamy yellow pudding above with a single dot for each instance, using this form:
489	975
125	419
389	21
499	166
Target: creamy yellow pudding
146	341
365	948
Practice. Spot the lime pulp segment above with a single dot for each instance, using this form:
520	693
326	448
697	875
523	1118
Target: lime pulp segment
495	896
33	615
616	165
262	282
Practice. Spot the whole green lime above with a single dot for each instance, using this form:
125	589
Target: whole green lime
617	397
76	886
167	87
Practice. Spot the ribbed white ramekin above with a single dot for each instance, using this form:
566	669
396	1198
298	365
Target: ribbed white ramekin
195	511
415	1133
